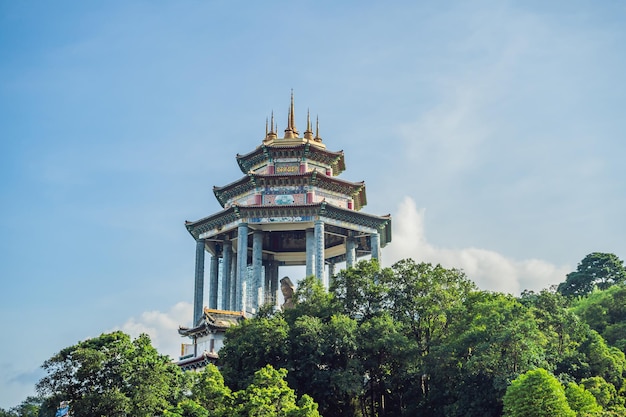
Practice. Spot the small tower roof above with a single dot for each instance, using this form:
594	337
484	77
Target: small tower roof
270	150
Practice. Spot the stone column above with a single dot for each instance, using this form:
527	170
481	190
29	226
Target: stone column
275	287
257	268
213	281
350	252
271	282
198	292
319	252
375	242
226	273
242	267
233	282
310	252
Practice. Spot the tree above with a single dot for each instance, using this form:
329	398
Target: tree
536	393
186	408
605	312
311	299
209	391
494	340
250	346
111	375
269	396
597	269
595	358
385	354
604	392
423	297
581	401
30	407
359	291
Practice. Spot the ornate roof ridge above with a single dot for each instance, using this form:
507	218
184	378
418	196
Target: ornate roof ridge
311	173
304	144
236	211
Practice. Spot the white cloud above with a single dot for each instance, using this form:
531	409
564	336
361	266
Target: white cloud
488	269
162	327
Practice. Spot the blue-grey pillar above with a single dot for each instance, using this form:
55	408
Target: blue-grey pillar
233	282
375	242
271	282
267	282
310	252
350	252
319	252
198	292
275	288
213	281
331	270
257	268
242	266
226	273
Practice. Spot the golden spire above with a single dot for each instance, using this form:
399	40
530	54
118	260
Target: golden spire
308	134
271	133
317	130
291	131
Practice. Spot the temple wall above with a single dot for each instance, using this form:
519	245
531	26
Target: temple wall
291	195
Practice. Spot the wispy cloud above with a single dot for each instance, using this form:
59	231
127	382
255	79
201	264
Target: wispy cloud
487	268
161	327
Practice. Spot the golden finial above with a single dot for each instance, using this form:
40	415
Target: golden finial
308	134
271	133
317	130
293	116
291	131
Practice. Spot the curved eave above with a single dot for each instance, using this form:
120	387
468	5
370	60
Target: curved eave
239	187
356	190
198	361
321	210
265	152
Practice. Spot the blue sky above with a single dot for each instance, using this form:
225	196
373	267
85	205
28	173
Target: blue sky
493	132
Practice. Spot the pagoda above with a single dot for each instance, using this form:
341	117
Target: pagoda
289	208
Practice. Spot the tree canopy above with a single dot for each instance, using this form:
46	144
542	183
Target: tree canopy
536	393
412	339
601	270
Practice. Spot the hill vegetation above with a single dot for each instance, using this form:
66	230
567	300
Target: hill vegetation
412	339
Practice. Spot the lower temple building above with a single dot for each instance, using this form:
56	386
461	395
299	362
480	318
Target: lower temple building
289	208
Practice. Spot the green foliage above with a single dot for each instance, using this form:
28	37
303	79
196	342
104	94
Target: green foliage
536	393
494	340
30	407
311	299
604	392
605	312
601	270
581	401
425	297
252	345
384	352
110	375
270	396
209	391
413	339
186	408
359	291
596	358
